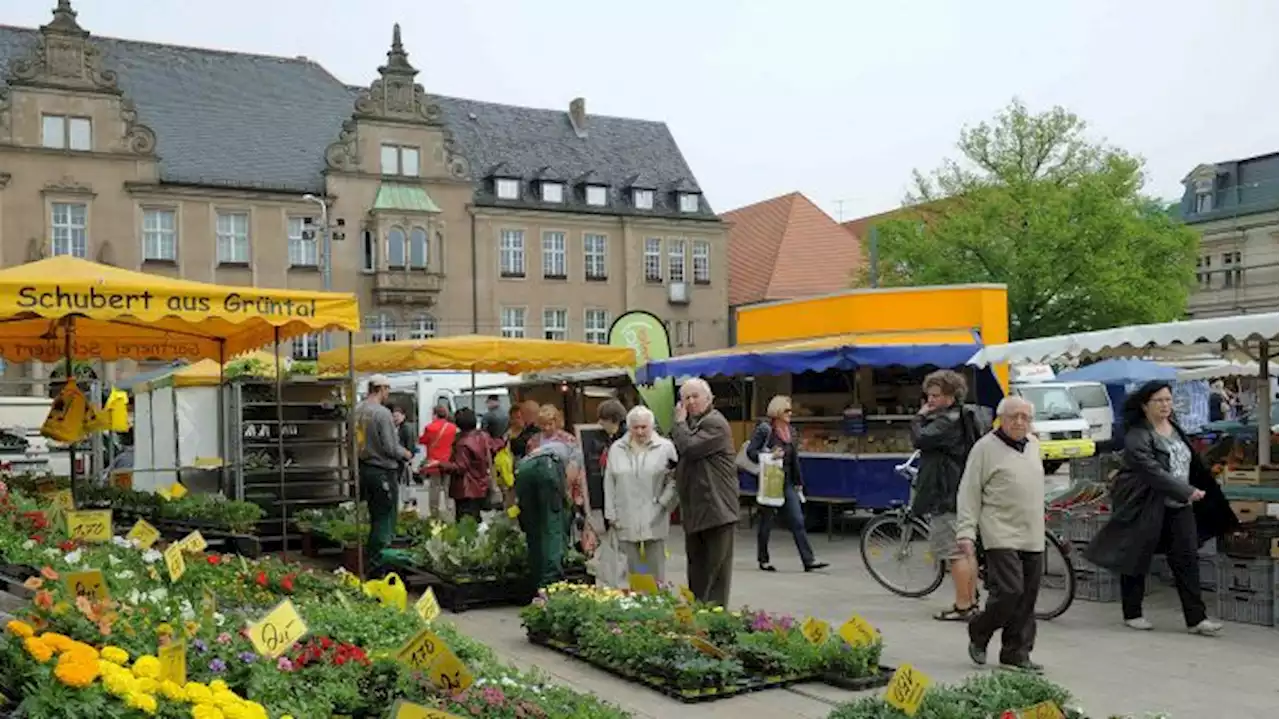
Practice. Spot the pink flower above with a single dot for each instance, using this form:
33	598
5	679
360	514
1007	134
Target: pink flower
224	638
493	696
284	665
539	601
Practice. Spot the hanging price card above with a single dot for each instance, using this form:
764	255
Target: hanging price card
173	662
90	525
194	542
906	689
427	607
1043	710
404	710
815	630
858	632
174	562
642	583
145	534
275	633
449	673
421	650
89	585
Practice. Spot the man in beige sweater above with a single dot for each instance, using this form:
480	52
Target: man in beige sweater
1001	500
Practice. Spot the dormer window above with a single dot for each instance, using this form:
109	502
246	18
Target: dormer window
642	199
399	160
597	195
506	188
552	192
688	202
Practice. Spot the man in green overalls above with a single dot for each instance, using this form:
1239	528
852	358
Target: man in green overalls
380	455
542	496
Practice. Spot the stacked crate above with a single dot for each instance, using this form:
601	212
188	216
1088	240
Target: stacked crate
1247	575
1093	583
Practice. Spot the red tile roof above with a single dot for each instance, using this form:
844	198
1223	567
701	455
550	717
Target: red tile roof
787	247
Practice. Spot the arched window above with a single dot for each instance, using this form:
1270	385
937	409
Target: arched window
418	249
395	247
423	327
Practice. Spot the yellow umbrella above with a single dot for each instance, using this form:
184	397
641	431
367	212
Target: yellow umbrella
477	353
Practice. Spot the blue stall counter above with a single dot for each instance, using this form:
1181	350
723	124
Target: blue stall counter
868	480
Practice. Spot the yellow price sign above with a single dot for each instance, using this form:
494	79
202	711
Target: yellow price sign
177	491
684	615
174	562
405	710
145	534
1043	710
707	648
449	673
173	662
421	650
687	595
427	607
275	633
906	689
642	583
194	542
61	499
858	632
88	584
90	525
815	630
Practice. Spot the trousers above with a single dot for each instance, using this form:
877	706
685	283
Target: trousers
380	487
792	512
710	555
1178	540
1013	583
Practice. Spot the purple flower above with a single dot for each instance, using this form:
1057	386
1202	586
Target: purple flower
248	657
284	665
217	666
200	646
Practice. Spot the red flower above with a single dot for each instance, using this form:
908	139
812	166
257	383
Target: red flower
212	559
286	584
67	545
261	579
37	538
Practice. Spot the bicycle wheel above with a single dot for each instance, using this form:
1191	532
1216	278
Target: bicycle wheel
1057	582
897	554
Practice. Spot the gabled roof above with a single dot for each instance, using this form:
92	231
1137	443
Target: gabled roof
787	247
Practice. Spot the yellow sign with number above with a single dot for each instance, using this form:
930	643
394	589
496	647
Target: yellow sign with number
1043	710
144	534
858	632
421	650
684	615
906	689
88	584
174	562
89	525
61	499
642	583
275	633
815	630
427	607
173	662
194	542
404	710
687	595
449	673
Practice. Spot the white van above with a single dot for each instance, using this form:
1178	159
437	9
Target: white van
1063	431
1095	405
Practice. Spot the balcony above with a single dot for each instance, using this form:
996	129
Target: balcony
407	287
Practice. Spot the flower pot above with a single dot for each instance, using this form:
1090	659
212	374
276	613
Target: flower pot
351	558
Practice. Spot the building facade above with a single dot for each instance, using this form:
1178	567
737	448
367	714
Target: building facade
1233	205
444	216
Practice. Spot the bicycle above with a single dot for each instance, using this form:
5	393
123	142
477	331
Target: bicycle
907	542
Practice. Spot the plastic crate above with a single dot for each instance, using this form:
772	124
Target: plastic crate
1256	576
1247	608
1209	567
1087	469
1082	527
1252	540
1097	585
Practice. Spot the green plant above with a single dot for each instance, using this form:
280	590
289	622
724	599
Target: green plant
979	697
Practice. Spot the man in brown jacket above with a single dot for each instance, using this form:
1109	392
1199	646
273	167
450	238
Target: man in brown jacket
707	482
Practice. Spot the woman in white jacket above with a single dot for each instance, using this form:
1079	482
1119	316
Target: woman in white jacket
639	492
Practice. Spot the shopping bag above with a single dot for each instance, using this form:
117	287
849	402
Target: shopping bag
770	492
66	419
608	564
504	465
117	409
744	462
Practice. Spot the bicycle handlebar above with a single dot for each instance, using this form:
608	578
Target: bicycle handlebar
902	468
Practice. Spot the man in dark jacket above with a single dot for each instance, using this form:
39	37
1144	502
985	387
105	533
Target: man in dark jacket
939	432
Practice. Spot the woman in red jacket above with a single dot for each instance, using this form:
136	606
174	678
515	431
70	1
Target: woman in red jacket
469	466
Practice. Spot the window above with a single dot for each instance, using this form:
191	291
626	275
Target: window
306	347
553	256
597	195
381	329
63	133
675	260
511	253
70	229
303	249
596	327
399	160
552	192
1232	275
159	235
642	199
688	334
368	252
395	248
675	330
422	328
233	238
1204	277
652	259
688	202
418	249
506	188
513	322
1204	202
555	324
702	262
594	248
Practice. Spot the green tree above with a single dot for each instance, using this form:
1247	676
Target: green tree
1059	219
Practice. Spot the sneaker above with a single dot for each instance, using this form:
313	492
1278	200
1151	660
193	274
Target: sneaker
977	654
1026	666
1140	623
1206	628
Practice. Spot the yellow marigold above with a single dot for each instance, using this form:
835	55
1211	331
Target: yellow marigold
198	693
235	711
225	698
38	649
172	690
205	711
254	710
81	652
146	666
115	655
164	629
20	629
218	685
145	702
147	685
120	683
77	674
58	642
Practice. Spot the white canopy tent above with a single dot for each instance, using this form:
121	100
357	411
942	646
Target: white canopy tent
1249	339
1221	370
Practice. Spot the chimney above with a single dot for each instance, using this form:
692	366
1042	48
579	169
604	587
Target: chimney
578	116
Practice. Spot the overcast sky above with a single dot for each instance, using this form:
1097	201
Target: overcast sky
839	100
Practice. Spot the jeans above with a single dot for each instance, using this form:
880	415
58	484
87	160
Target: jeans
380	488
1179	541
792	511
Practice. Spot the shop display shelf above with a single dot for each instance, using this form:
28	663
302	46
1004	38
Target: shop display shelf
1247	607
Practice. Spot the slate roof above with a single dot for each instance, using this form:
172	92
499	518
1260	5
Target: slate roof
787	247
254	121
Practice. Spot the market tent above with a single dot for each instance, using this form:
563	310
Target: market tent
477	353
1225	369
205	373
65	305
1121	371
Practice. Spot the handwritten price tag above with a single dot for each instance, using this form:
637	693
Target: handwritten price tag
421	650
1043	710
174	562
89	585
61	499
858	632
449	673
194	542
427	607
404	710
90	525
275	633
145	534
173	662
906	689
815	630
642	583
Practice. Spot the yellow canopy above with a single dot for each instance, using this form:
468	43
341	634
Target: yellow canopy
478	353
114	313
204	373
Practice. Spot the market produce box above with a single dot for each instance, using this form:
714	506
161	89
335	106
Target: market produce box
1248	510
1252	540
1259	476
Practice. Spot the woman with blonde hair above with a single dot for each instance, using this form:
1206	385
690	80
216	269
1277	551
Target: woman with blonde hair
776	437
639	491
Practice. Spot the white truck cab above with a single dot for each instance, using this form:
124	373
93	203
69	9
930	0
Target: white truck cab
1058	423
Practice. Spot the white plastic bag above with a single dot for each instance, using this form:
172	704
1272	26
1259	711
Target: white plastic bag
770	492
608	563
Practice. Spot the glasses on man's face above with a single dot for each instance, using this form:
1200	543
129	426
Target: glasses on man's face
1019	417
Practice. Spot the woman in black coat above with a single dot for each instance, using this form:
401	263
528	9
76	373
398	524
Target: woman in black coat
1163	500
777	437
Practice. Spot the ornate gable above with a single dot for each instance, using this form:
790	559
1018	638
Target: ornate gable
63	58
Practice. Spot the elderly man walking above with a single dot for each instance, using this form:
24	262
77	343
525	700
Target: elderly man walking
1001	500
707	483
